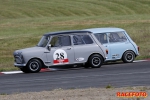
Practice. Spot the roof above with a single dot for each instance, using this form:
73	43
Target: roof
67	32
103	30
91	30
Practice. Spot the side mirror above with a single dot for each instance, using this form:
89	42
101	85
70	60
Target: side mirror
49	47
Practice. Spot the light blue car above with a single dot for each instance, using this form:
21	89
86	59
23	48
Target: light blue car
120	46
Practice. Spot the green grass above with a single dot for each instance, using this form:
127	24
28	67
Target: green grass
23	22
109	86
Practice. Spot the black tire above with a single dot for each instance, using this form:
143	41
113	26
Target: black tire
34	66
128	57
95	61
24	69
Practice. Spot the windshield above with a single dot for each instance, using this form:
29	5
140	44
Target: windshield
43	42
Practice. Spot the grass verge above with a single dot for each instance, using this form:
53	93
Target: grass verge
23	24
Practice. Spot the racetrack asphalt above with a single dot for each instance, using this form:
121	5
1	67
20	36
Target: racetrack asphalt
116	75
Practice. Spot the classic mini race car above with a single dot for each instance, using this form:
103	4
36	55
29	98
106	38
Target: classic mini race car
62	48
117	42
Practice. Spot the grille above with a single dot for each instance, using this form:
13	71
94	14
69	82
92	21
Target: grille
18	60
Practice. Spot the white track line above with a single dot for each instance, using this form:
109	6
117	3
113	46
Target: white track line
18	72
140	60
12	72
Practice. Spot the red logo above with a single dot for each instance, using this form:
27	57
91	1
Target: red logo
61	61
132	94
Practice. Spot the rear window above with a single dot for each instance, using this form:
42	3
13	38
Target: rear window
82	39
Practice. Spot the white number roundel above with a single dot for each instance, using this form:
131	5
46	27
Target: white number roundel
59	54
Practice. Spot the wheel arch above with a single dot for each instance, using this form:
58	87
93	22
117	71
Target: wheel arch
126	51
43	65
98	54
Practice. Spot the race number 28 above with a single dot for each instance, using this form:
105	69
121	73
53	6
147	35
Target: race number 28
60	57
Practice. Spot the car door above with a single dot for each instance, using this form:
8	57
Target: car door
117	45
61	51
103	39
83	47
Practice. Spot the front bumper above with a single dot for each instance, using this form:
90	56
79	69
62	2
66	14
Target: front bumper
19	65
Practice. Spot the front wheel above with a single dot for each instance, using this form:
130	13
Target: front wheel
34	66
95	61
128	57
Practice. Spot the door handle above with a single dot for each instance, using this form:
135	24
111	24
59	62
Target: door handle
68	48
105	46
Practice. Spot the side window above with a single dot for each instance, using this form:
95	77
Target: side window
77	40
60	41
122	37
55	42
117	37
82	39
65	41
87	39
102	37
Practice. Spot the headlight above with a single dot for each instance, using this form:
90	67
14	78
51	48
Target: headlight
18	57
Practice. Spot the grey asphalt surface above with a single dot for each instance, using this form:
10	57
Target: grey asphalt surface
117	75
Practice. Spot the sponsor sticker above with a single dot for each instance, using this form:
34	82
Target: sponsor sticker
80	59
60	57
115	56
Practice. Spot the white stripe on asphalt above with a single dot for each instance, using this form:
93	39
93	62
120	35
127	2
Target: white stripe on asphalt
17	72
139	60
12	72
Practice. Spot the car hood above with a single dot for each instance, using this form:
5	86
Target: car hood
31	49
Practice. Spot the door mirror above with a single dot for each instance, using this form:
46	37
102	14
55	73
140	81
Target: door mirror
49	47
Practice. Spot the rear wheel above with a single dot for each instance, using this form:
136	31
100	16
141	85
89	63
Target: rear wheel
95	61
34	66
128	57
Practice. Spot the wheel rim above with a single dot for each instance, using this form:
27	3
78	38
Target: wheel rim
129	57
96	61
34	66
